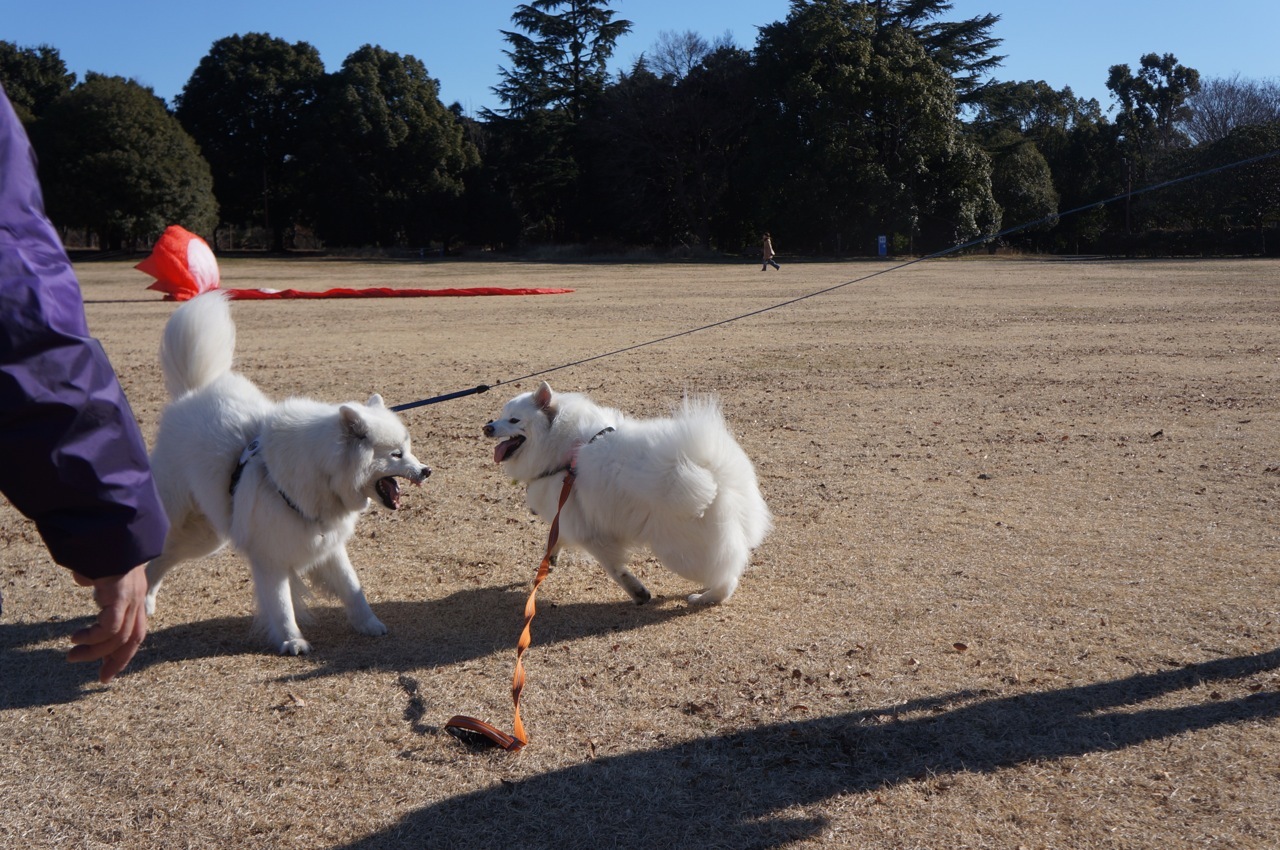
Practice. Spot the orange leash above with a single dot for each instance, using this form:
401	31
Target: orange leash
466	728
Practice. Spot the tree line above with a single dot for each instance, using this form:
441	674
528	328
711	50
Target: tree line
844	123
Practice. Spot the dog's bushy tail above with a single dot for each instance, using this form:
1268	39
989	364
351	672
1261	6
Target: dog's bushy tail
717	470
198	343
694	485
692	488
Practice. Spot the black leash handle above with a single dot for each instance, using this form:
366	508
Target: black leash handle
476	390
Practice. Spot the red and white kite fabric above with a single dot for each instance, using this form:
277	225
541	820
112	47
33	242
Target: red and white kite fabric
382	292
184	266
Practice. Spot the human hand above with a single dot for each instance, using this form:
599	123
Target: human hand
122	621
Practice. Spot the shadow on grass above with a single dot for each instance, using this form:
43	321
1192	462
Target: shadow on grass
734	790
464	626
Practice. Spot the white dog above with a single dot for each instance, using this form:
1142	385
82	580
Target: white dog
284	481
681	486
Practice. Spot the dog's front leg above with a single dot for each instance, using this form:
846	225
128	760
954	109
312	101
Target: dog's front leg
275	608
337	574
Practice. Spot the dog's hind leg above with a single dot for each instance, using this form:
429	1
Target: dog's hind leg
715	595
716	564
614	560
337	574
193	538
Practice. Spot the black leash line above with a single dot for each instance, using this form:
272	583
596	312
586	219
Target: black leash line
482	388
476	390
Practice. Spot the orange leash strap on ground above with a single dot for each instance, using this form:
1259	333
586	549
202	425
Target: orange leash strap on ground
467	728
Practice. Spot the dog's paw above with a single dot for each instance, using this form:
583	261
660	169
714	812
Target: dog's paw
641	596
295	646
372	627
151	605
714	595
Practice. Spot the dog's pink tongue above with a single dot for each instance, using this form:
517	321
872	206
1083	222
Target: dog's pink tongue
500	450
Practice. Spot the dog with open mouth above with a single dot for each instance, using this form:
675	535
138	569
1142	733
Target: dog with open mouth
283	481
680	486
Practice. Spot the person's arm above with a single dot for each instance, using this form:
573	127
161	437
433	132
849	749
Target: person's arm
74	458
75	461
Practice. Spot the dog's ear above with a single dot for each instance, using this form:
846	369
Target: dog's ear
542	396
353	423
375	400
545	401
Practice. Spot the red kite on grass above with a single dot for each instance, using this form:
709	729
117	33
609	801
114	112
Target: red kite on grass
184	266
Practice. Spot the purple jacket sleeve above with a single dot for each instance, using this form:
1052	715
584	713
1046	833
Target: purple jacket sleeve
74	460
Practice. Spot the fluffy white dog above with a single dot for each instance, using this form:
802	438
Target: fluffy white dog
681	486
284	481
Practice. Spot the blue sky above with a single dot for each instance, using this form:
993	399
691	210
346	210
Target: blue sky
1063	43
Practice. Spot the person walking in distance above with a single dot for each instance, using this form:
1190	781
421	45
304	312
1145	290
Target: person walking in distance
766	251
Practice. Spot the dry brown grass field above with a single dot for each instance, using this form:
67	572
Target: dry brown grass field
1023	590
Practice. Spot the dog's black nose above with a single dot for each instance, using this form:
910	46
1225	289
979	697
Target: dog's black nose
488	429
426	473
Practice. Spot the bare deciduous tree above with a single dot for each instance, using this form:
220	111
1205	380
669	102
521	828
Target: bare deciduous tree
676	54
1224	103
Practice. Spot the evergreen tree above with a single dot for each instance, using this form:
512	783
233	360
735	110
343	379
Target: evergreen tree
1239	207
1031	108
667	151
386	154
863	136
558	71
1153	105
245	105
961	48
33	78
113	160
1023	186
558	61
